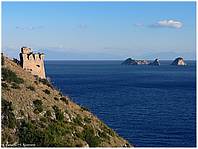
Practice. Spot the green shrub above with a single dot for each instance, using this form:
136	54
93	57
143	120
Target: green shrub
48	113
36	82
60	94
8	117
51	136
6	105
31	88
30	133
43	119
5	137
59	115
55	98
103	135
2	59
87	119
55	135
36	111
16	61
128	145
78	120
60	128
10	76
21	113
108	130
11	121
38	104
15	86
46	91
79	135
90	137
64	99
45	82
4	85
79	144
84	108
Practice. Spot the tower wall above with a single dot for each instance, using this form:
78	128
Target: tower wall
32	62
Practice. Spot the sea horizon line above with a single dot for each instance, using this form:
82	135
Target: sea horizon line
111	59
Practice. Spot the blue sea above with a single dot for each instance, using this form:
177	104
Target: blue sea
150	106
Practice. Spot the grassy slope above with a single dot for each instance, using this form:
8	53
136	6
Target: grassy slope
67	124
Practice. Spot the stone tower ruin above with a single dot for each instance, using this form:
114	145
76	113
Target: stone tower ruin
32	62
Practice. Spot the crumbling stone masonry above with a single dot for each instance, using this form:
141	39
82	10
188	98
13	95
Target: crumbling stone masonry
32	62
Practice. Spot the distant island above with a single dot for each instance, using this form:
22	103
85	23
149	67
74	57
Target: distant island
179	61
129	61
155	62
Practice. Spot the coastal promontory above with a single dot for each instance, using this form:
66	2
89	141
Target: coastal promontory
36	114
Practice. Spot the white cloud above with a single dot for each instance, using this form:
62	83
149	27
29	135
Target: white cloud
168	23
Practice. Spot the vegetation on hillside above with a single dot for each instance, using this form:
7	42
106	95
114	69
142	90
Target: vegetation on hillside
10	76
35	114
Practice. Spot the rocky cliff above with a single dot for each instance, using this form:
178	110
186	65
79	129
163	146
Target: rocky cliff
34	113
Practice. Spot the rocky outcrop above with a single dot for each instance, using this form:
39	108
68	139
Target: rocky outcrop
142	62
179	62
127	61
155	62
34	113
130	61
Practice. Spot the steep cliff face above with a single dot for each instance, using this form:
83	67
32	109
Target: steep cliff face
34	113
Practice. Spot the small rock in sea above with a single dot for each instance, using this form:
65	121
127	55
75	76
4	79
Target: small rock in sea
155	62
130	61
179	61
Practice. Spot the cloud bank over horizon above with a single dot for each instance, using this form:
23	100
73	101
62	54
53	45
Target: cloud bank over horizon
57	53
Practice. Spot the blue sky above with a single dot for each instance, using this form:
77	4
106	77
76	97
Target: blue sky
100	30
